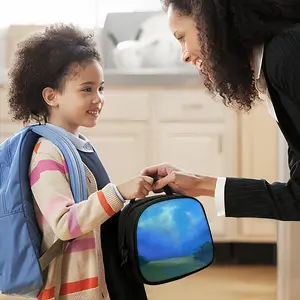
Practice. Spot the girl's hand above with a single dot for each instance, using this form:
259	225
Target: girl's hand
137	187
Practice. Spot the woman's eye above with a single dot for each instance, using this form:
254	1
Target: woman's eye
88	90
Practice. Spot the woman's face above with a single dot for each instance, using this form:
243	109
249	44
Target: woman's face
185	31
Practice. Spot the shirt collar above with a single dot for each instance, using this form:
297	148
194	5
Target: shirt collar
80	142
260	81
258	53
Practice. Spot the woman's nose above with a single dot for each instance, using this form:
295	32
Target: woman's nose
186	57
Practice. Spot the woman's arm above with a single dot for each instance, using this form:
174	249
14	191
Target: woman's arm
242	197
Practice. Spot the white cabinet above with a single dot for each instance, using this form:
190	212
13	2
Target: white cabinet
192	131
122	136
259	159
6	126
186	127
198	149
122	148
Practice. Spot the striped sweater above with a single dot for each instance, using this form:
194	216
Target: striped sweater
59	217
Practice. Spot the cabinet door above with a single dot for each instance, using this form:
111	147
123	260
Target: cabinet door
7	127
197	148
259	144
123	147
4	108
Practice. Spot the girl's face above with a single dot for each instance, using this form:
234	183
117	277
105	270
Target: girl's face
82	98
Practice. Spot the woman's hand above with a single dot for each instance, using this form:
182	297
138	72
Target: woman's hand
180	181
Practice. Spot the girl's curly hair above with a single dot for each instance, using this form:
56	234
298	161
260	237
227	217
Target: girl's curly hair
228	30
44	60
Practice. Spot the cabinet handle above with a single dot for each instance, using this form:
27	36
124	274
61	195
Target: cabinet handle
192	106
220	143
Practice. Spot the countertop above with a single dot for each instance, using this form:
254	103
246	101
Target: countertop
147	77
163	77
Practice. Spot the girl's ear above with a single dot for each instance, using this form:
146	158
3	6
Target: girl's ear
49	96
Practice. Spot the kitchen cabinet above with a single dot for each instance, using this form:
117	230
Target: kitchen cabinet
187	128
122	148
179	126
122	136
259	159
199	135
6	126
142	126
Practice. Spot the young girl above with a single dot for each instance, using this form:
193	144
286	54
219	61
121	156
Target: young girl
57	78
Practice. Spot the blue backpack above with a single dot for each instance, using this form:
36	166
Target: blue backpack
20	263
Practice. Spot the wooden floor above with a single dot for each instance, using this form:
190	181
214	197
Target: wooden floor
221	283
217	283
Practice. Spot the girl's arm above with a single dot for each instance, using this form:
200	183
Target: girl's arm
51	189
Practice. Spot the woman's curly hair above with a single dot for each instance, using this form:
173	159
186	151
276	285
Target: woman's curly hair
44	60
227	32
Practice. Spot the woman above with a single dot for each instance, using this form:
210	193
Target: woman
243	47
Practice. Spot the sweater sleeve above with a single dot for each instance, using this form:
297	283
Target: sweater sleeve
51	189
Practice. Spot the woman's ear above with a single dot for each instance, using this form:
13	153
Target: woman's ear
49	96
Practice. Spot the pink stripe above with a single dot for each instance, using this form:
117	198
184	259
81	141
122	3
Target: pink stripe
45	165
60	204
40	219
73	225
81	245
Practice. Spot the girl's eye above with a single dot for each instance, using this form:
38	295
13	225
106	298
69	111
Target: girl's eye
88	90
101	89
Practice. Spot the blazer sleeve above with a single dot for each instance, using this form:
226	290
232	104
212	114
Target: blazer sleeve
258	198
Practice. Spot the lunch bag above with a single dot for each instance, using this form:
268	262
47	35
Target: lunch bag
165	237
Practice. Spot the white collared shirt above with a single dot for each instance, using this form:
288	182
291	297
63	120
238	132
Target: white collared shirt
80	142
263	94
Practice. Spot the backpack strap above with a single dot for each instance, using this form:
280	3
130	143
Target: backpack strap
72	157
51	253
79	191
56	250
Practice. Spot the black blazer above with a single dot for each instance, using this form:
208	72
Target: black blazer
259	198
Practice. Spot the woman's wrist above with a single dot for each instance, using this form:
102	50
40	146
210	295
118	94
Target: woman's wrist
206	185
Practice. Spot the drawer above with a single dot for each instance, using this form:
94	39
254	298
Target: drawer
188	105
126	104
